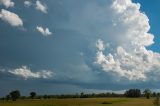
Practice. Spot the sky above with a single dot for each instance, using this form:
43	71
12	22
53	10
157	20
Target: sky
72	46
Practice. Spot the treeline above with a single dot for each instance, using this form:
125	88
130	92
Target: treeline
137	93
132	93
14	95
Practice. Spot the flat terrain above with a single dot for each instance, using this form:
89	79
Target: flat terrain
82	102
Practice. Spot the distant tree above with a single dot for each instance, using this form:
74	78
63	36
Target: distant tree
23	97
15	95
33	94
154	94
8	97
147	93
3	99
133	93
76	95
45	96
39	97
93	95
82	95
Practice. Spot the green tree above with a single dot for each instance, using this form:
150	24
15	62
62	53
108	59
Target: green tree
147	93
15	95
154	94
33	94
82	95
45	96
133	93
8	97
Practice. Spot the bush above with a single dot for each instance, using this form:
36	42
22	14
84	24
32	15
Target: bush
105	102
156	102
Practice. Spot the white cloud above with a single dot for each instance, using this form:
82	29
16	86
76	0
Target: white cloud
26	73
11	18
27	3
44	31
7	3
41	7
100	45
122	25
129	59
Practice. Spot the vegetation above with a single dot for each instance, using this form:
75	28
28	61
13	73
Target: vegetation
133	93
106	102
81	102
33	94
156	101
134	98
8	97
14	95
147	93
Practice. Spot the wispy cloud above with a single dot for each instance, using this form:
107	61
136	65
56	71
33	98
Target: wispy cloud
11	18
43	31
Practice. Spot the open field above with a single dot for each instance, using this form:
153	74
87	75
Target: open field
82	102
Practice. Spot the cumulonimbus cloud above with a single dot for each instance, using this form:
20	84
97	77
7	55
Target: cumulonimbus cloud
43	31
7	3
130	58
11	18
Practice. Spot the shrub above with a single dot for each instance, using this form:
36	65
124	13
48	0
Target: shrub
156	102
105	102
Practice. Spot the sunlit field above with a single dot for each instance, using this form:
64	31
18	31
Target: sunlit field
81	102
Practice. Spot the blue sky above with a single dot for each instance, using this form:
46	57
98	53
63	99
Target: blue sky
59	46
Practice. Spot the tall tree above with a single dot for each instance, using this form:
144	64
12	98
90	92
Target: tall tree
33	94
147	93
15	95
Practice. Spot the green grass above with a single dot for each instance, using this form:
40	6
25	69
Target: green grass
82	102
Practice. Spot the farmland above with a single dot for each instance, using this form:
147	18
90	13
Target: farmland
81	102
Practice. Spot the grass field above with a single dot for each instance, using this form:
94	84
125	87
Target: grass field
82	102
